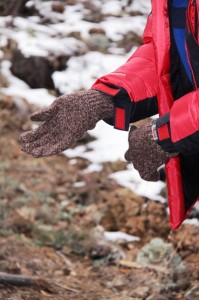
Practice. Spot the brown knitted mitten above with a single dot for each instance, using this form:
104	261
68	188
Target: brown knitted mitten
65	121
144	152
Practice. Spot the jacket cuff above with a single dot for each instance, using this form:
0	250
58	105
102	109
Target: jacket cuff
123	105
164	134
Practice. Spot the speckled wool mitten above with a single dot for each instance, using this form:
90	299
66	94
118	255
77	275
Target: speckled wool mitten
65	121
144	152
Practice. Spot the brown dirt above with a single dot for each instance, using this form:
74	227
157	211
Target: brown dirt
49	227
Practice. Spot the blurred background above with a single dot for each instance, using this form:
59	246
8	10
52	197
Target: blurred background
83	221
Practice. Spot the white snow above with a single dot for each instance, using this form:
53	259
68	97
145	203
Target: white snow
143	6
92	66
111	8
193	221
109	146
131	179
79	184
34	38
115	29
119	236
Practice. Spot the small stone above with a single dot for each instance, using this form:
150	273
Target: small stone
97	31
155	252
141	292
99	251
75	34
180	277
58	7
98	42
66	271
43	234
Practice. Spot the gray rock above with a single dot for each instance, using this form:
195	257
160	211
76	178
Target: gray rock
160	253
95	17
98	42
12	7
155	252
92	12
58	7
36	71
180	277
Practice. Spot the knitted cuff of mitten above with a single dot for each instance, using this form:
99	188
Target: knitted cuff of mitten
99	104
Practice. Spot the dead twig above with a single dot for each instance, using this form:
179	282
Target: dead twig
68	263
67	288
25	280
134	265
21	280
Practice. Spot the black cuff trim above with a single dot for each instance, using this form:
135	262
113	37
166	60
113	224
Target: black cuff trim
123	109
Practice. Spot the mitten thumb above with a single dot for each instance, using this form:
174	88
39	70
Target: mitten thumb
128	155
44	114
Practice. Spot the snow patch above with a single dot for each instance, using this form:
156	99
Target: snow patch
120	236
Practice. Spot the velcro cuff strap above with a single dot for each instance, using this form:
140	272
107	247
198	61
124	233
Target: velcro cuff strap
120	118
163	132
106	89
122	102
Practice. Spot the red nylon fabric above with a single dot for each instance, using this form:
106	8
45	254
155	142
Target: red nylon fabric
184	116
106	89
175	193
137	76
163	132
120	118
192	10
161	39
146	74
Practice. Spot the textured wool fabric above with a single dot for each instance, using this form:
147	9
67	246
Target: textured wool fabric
65	121
145	154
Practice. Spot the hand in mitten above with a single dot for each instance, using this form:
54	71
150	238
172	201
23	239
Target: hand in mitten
144	152
65	121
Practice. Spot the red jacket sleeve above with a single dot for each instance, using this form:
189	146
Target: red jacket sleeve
137	76
136	81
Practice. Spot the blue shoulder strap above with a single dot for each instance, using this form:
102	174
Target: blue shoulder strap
178	12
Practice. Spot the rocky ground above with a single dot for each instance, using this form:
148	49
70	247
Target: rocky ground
56	221
52	227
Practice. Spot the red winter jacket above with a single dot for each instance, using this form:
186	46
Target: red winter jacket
142	87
